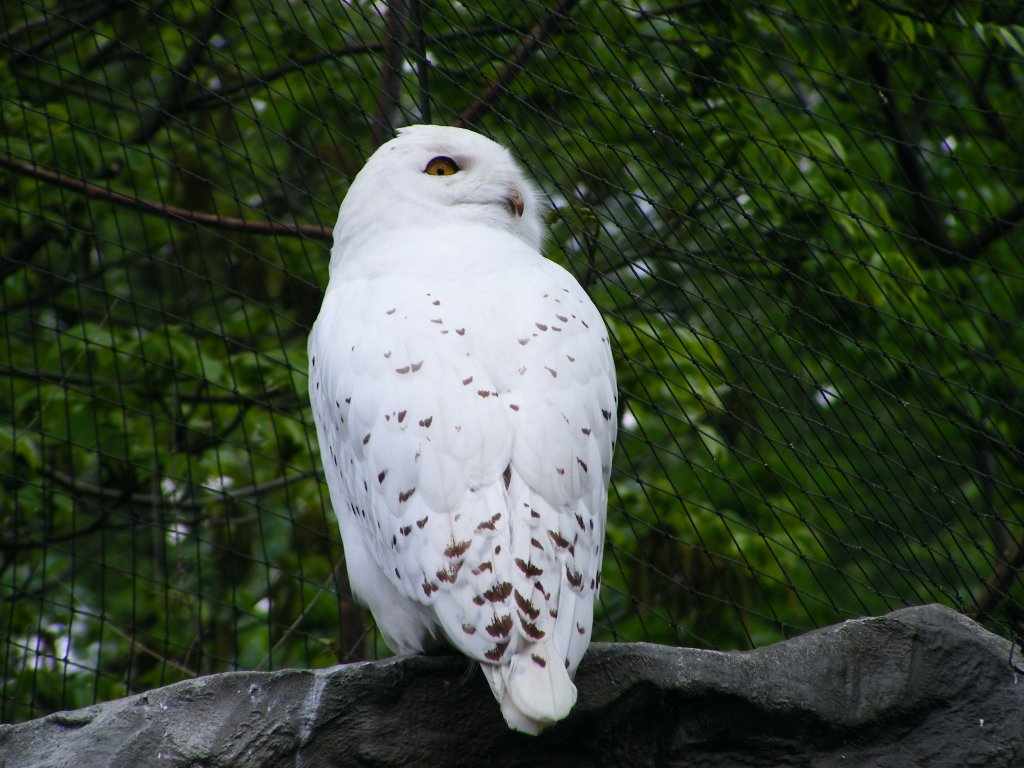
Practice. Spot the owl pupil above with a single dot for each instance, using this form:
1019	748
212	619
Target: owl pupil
440	171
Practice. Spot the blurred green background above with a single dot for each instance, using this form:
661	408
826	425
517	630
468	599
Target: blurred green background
801	220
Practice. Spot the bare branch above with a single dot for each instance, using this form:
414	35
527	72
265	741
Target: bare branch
95	192
516	62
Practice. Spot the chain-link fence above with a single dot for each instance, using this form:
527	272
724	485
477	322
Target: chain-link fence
801	220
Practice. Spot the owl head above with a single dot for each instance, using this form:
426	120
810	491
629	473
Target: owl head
433	175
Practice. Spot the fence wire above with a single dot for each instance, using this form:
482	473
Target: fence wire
801	220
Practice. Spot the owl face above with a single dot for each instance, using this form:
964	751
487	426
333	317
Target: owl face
432	175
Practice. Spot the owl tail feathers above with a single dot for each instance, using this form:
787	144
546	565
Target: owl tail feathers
533	688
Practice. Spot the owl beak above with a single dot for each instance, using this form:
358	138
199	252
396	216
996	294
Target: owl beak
515	202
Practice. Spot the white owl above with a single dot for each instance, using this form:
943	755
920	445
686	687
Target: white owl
465	403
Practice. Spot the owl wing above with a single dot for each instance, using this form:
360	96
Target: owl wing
466	417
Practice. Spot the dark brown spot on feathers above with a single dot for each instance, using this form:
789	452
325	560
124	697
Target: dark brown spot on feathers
469	629
401	416
529	569
500	626
381	476
467	381
607	414
483	393
558	539
538	660
426	422
552	371
575	577
579	522
581	463
366	439
513	406
507	476
460	331
496	652
450	573
404	496
560	470
533	630
391	311
586	431
541	326
537	544
416	366
478	600
580	628
457	548
526	606
499	592
437	320
405	530
421	523
429	588
404	369
484	566
563	318
436	302
524	342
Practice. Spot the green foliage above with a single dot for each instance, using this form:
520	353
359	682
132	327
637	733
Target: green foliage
802	224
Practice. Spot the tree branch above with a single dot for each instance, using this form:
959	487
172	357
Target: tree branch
180	76
98	11
150	500
95	192
396	31
928	222
243	87
538	33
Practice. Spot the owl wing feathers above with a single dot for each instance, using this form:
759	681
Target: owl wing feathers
468	416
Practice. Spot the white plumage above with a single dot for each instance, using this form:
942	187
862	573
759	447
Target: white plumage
465	403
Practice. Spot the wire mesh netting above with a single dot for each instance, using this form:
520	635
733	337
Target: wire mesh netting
801	220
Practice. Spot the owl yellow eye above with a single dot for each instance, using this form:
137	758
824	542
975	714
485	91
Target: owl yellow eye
441	166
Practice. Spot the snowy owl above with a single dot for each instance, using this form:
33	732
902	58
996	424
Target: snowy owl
465	403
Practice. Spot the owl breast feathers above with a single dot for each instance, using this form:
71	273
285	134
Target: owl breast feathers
465	404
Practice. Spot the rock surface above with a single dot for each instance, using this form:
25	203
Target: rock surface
919	687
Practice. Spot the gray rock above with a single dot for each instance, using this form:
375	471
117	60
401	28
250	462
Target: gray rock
918	687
